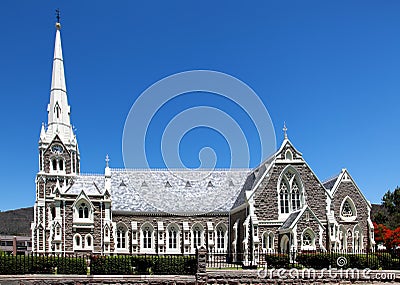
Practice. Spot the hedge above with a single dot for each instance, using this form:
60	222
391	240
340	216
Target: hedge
30	264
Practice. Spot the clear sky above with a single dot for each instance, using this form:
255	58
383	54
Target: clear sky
330	69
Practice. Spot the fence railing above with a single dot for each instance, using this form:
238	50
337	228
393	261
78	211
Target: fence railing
305	259
96	264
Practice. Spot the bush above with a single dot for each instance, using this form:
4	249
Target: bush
277	260
71	265
142	264
385	260
30	264
111	265
175	265
314	260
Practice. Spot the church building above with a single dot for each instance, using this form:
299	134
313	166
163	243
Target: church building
279	206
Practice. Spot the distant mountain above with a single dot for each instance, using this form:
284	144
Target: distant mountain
16	222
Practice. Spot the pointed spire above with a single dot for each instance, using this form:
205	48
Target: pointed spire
58	78
285	130
42	133
58	109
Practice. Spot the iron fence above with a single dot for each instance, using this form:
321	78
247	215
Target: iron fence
305	259
82	264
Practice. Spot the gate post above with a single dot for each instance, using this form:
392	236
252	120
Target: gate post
201	275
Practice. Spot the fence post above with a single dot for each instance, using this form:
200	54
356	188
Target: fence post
201	275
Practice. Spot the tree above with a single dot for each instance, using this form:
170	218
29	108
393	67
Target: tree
391	200
389	238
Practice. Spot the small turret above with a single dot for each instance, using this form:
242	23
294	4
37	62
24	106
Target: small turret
107	175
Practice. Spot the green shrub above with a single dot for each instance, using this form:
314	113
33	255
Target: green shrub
71	265
111	265
174	265
385	260
142	264
314	260
277	260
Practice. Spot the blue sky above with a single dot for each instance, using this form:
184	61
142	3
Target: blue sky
330	69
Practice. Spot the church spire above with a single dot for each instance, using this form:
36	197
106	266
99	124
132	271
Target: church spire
58	109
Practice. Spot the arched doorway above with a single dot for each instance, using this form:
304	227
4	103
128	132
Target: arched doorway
285	245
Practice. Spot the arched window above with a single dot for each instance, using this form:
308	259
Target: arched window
295	197
288	155
357	239
89	242
54	164
220	237
83	211
348	210
61	164
268	241
197	233
173	237
121	236
147	237
308	240
290	191
77	241
284	197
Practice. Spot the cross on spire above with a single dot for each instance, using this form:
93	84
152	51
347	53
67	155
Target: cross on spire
284	130
107	160
58	15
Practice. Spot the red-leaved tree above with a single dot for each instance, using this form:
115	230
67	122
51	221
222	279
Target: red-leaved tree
389	238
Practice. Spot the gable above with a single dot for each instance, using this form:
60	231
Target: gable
345	178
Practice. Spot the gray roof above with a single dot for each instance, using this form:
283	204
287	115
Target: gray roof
329	183
289	221
165	190
92	184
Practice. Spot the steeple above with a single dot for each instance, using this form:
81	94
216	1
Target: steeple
58	138
58	110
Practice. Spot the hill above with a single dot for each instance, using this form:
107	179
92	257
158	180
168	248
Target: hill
16	222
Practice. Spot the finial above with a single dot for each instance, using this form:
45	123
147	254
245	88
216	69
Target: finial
107	160
58	25
284	130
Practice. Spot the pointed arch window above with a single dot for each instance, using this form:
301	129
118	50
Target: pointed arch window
173	237
54	164
147	237
197	236
57	110
308	240
348	210
77	242
290	191
268	241
121	237
220	237
295	197
83	211
284	198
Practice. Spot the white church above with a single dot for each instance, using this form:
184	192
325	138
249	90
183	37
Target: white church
278	206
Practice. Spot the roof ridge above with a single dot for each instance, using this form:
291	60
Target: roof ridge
330	178
179	169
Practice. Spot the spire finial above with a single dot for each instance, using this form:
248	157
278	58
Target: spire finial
58	25
107	160
284	130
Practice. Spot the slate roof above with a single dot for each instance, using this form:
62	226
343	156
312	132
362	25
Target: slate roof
289	221
171	191
92	185
329	183
252	179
